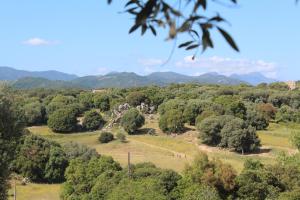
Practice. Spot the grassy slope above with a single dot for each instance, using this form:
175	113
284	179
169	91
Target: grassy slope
164	151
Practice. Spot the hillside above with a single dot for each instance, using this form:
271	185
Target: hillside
11	74
253	78
125	80
32	82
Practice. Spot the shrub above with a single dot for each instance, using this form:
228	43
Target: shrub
41	160
132	120
121	136
102	102
63	121
74	150
34	113
82	176
10	131
192	110
92	120
228	132
105	137
136	98
172	121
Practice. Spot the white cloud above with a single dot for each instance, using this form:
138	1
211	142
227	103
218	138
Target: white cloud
228	66
39	42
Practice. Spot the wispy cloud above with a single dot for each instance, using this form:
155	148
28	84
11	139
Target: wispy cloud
228	66
39	42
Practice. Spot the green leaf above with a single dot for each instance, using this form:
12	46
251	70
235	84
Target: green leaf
185	44
192	47
153	30
229	39
134	27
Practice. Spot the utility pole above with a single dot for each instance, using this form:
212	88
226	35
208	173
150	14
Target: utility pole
15	190
129	169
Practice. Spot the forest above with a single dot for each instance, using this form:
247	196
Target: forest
218	140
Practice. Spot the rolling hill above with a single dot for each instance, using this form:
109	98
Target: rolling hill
12	74
124	80
53	79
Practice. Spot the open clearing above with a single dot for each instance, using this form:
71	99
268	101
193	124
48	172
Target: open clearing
172	152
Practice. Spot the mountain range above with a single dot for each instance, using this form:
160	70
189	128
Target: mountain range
53	79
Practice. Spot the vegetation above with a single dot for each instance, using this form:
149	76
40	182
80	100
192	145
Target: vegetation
105	137
41	160
10	131
63	121
132	121
242	119
92	120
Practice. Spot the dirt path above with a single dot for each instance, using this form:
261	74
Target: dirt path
175	153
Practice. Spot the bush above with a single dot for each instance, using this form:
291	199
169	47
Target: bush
41	160
102	102
82	176
34	113
132	120
63	121
136	98
228	132
172	121
92	120
74	150
192	110
121	136
10	131
105	137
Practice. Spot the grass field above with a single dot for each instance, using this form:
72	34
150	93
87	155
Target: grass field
172	152
36	192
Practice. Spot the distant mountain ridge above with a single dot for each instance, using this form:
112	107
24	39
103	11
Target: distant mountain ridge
254	78
11	74
53	79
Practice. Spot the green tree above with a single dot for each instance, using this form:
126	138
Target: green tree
92	120
41	160
192	110
132	120
63	121
86	99
258	184
151	15
204	172
236	135
105	137
142	189
172	121
81	176
102	102
136	98
34	113
10	131
196	192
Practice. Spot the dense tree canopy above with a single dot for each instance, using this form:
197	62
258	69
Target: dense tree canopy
41	160
63	121
11	129
92	120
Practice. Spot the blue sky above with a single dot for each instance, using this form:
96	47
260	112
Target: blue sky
90	37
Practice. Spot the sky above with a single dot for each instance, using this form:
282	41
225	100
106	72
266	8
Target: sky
91	38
